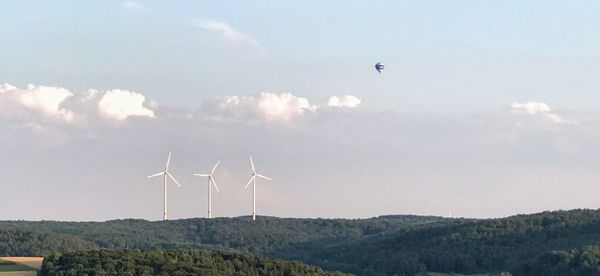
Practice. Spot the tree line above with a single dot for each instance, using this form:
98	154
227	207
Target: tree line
172	262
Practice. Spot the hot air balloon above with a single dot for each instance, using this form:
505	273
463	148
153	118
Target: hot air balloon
379	67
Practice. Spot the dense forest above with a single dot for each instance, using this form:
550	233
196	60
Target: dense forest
266	236
491	245
171	262
585	261
537	244
29	243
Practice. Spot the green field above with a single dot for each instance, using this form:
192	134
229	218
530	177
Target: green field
6	266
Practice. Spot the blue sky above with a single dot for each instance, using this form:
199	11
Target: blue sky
506	88
459	55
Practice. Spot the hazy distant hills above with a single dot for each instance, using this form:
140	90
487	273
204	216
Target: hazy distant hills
549	243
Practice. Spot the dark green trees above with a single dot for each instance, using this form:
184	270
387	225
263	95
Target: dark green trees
171	262
28	243
564	242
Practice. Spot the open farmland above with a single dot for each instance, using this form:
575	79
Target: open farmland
20	266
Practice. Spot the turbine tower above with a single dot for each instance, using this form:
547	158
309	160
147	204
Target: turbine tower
253	181
165	174
211	178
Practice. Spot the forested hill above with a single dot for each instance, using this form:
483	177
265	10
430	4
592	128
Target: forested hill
391	245
172	262
524	245
265	236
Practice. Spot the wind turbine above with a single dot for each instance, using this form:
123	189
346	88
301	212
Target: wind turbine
253	181
211	178
165	174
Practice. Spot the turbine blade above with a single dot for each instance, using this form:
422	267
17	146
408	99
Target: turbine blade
251	178
168	160
154	175
215	167
202	174
262	176
252	163
212	179
175	180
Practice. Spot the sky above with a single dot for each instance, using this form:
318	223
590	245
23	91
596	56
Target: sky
484	109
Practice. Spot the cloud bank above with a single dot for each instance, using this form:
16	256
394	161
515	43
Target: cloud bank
419	163
41	104
283	107
268	106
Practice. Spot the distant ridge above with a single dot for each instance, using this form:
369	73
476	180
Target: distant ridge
384	245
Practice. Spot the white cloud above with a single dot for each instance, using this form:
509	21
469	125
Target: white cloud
120	104
226	32
269	106
6	87
344	101
283	107
42	100
43	105
538	108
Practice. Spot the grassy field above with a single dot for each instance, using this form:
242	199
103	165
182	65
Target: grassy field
19	266
12	266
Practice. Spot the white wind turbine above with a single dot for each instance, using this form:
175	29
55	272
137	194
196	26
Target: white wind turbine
165	174
211	178
253	181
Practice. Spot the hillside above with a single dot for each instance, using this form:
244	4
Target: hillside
171	262
387	245
265	236
517	244
18	242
